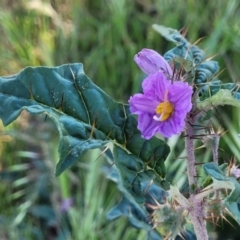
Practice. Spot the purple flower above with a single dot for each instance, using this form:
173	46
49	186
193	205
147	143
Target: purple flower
150	62
163	106
66	204
235	171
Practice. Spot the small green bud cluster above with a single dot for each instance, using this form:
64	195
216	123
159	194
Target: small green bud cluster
169	220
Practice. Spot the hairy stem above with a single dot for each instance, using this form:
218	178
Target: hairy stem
197	218
215	149
196	212
191	168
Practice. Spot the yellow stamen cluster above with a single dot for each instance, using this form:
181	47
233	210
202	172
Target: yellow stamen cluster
164	109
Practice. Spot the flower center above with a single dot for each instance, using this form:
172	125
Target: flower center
164	109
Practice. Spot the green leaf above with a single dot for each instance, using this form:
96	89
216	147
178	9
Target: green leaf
220	169
212	88
232	201
170	34
206	71
214	171
183	63
207	115
202	70
86	118
137	215
134	173
221	98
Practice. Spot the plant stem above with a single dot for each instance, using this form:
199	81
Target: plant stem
196	212
197	218
191	168
215	186
175	194
215	149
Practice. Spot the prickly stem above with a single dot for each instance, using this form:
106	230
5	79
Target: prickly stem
196	212
189	144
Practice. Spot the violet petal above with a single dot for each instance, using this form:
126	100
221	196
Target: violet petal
150	62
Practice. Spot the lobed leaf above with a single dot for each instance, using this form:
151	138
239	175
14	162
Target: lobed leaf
86	118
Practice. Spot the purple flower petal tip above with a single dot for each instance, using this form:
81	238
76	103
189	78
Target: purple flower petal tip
149	61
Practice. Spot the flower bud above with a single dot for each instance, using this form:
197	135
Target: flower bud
149	61
169	222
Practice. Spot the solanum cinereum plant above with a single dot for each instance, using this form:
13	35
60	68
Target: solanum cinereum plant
178	95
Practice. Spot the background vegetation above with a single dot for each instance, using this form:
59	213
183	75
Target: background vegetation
103	35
